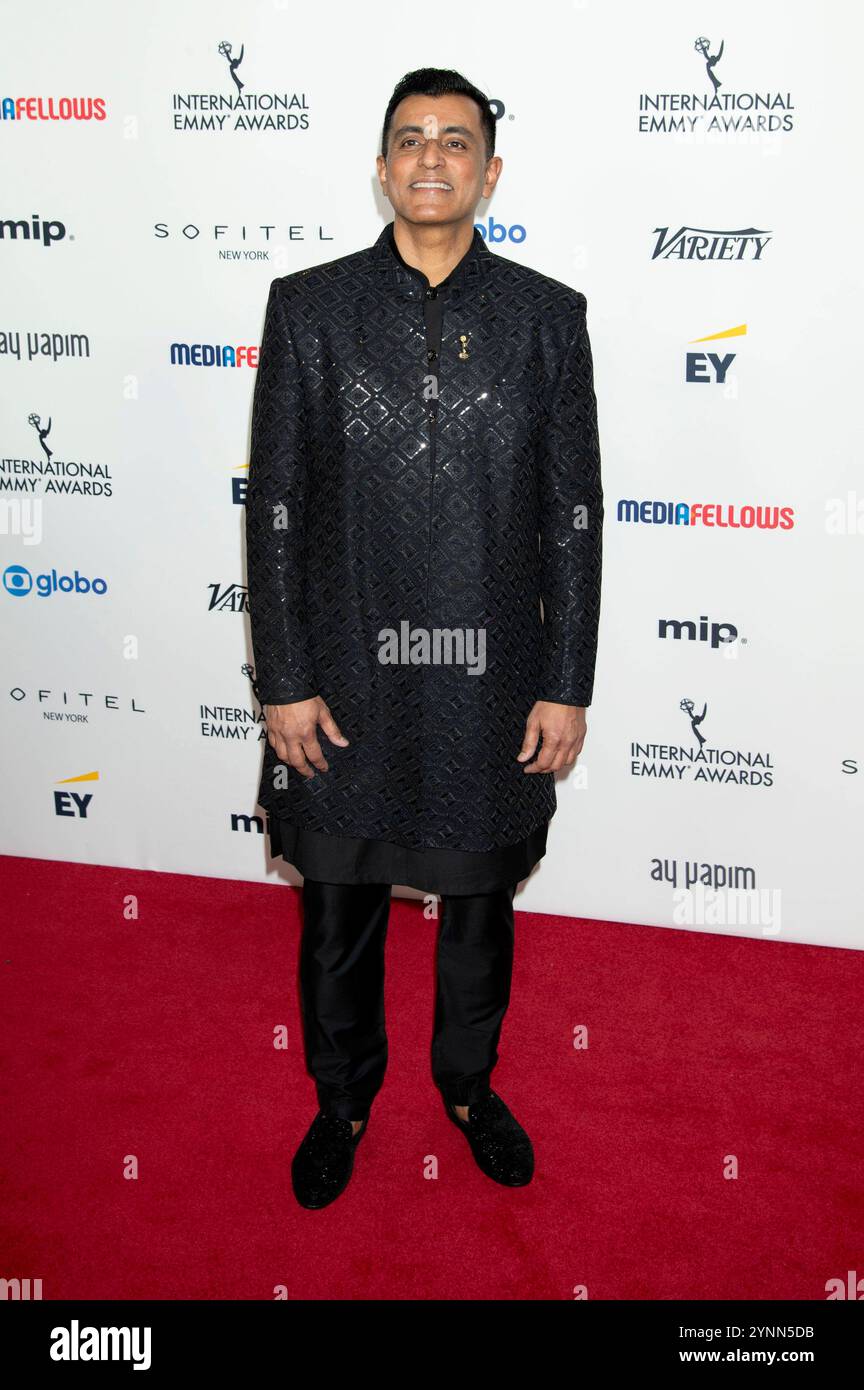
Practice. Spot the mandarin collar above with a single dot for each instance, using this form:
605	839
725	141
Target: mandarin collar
470	272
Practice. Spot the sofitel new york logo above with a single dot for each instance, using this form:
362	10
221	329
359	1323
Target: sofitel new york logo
239	108
701	761
252	241
71	706
712	110
55	475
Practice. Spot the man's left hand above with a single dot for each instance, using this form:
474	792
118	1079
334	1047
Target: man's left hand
562	728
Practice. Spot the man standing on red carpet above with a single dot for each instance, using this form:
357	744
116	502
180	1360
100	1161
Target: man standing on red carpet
423	524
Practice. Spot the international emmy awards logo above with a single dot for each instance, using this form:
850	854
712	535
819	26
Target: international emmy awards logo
233	63
695	719
702	46
36	422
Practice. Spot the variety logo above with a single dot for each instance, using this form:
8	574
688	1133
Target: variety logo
40	230
710	367
724	515
19	582
712	111
237	107
57	475
706	762
703	244
230	598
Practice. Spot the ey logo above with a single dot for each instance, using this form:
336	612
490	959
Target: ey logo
711	367
71	803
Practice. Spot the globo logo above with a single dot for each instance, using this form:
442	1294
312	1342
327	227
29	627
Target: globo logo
18	581
497	232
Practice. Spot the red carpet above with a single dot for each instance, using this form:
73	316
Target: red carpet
153	1038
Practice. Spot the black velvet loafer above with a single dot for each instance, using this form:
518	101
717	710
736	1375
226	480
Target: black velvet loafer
323	1164
501	1148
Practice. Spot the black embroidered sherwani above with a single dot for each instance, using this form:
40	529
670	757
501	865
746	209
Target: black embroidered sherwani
413	472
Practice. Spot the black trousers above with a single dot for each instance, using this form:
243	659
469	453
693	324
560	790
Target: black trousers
342	992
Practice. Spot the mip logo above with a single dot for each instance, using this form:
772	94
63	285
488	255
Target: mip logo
35	230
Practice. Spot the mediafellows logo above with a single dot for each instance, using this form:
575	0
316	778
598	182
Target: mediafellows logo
722	515
716	108
52	109
214	355
238	105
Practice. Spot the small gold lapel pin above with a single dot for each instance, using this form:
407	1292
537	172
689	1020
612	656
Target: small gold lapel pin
463	338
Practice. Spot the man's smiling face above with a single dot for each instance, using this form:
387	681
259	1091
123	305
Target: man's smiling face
436	169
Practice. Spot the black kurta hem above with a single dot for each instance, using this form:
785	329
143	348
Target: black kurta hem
347	859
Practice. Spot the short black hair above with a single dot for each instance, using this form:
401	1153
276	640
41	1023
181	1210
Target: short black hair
440	82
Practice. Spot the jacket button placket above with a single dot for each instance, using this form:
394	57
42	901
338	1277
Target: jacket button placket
433	309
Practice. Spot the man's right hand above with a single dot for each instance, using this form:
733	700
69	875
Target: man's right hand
292	730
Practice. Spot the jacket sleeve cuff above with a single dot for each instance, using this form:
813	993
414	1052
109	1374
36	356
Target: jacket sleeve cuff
580	698
285	694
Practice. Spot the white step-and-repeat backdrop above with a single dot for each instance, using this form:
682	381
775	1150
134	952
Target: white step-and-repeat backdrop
695	171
